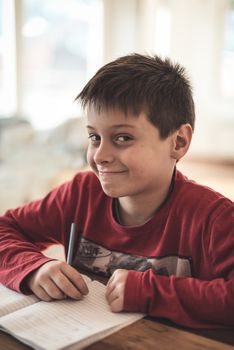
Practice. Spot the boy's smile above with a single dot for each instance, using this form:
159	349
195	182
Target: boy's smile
130	159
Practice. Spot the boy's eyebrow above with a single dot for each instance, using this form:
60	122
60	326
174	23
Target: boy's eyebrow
115	126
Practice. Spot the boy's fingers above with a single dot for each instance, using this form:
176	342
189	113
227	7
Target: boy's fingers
116	305
109	289
42	294
56	279
110	285
111	296
67	287
76	279
53	289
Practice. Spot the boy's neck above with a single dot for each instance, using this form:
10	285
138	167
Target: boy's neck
136	211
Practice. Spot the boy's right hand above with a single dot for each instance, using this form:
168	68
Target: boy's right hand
56	280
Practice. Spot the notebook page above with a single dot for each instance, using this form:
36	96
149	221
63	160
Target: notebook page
56	325
11	301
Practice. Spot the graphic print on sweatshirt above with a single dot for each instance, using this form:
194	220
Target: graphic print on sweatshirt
99	260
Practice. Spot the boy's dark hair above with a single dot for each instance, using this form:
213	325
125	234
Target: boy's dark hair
150	84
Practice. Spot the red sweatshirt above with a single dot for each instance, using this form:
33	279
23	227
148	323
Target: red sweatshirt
181	262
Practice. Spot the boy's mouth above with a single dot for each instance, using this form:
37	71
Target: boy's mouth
106	173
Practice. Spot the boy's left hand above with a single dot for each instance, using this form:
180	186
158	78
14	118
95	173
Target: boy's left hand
115	290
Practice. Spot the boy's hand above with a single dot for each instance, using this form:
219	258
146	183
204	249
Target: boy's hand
115	290
56	280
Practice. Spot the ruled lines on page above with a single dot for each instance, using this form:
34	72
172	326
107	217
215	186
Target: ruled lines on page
59	324
11	301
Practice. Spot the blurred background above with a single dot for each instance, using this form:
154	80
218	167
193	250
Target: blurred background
50	48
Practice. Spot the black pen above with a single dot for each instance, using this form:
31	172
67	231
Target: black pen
71	243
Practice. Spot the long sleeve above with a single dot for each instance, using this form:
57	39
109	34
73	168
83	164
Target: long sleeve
184	300
204	300
26	230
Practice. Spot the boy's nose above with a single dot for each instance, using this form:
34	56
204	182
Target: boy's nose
103	154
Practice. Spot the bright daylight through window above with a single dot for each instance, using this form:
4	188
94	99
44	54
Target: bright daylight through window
58	49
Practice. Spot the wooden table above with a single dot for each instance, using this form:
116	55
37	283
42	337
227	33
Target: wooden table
149	334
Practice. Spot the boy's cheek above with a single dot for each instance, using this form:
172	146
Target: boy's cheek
90	160
89	156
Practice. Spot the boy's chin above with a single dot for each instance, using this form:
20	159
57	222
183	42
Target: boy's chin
113	193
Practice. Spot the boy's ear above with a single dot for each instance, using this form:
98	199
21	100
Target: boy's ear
181	141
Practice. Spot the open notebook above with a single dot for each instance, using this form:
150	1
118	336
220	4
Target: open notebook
64	324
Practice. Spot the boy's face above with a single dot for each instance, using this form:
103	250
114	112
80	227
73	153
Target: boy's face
127	154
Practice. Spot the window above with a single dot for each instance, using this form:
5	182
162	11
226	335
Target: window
162	28
1	58
227	68
59	52
58	46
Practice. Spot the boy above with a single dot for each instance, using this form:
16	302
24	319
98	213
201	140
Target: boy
165	242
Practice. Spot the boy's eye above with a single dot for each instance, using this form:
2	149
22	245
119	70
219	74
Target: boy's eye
118	139
94	138
123	138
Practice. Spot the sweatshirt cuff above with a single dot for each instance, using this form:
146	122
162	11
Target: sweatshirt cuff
132	291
